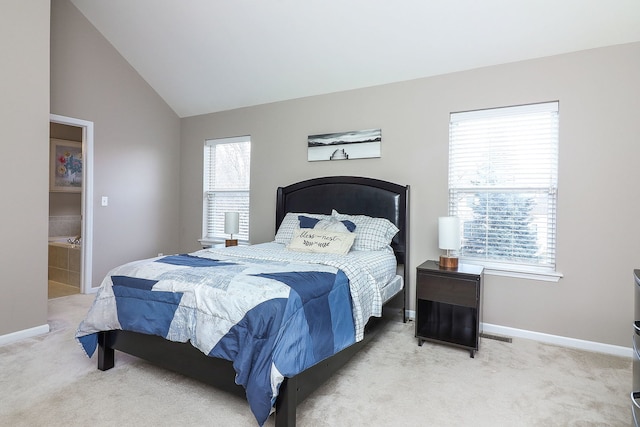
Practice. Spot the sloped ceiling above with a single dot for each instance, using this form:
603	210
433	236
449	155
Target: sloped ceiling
204	56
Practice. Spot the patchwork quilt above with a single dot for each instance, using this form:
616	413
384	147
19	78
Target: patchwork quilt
271	318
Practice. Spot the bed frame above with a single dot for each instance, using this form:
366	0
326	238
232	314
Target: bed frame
346	194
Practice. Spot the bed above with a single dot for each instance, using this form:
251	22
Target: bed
340	199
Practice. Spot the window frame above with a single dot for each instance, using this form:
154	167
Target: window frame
213	238
460	186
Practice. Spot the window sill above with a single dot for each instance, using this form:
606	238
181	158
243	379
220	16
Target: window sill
208	243
531	274
544	277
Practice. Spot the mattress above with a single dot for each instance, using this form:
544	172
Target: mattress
391	288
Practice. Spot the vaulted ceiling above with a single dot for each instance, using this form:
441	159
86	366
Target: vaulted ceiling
203	56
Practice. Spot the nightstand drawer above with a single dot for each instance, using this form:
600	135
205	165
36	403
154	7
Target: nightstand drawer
449	290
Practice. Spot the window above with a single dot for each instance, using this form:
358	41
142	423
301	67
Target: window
226	186
503	184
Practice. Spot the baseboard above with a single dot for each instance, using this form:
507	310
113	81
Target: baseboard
598	347
551	339
25	333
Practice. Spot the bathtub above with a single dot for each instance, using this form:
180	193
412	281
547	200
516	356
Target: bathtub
64	261
63	241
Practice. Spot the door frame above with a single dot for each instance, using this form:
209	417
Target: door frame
86	210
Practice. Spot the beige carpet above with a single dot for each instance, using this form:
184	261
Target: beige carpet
47	381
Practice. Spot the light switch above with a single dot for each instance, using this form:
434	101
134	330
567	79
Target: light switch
105	201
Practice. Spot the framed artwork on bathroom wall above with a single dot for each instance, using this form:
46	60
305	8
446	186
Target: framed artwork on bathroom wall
65	167
360	144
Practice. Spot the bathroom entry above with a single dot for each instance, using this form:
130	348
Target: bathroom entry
65	209
70	214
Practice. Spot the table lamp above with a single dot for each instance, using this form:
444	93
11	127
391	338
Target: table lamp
231	226
449	240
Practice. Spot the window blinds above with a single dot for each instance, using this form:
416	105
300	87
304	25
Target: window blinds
226	185
503	172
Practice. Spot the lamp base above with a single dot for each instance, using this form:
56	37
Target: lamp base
448	262
231	242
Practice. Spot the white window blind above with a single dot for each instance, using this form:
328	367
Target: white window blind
226	186
503	180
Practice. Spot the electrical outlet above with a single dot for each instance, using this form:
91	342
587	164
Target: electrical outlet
105	201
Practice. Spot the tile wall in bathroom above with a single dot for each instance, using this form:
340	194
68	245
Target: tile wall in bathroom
67	225
64	265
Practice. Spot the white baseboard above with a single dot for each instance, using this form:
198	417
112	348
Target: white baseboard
598	347
25	333
551	339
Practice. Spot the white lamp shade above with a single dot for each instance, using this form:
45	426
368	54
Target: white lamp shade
449	233
231	222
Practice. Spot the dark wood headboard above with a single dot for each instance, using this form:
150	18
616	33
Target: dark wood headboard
351	195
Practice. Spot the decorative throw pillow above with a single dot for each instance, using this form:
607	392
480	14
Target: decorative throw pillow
372	234
307	221
321	241
290	222
330	224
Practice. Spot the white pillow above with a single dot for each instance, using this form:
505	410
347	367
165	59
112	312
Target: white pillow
321	241
331	225
372	234
290	223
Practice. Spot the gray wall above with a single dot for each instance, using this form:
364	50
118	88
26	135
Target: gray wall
136	142
56	62
24	136
598	230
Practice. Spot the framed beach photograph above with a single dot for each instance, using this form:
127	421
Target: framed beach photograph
65	170
358	144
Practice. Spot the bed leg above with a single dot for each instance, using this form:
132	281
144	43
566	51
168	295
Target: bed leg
106	359
286	403
404	298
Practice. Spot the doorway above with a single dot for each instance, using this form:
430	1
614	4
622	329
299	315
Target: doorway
84	130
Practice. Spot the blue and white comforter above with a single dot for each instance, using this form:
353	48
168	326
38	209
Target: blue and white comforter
271	316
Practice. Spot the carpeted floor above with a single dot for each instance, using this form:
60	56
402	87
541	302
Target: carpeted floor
48	381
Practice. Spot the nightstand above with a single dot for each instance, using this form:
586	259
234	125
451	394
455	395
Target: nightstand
449	305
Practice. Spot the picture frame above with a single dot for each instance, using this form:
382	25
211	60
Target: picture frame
360	144
66	166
